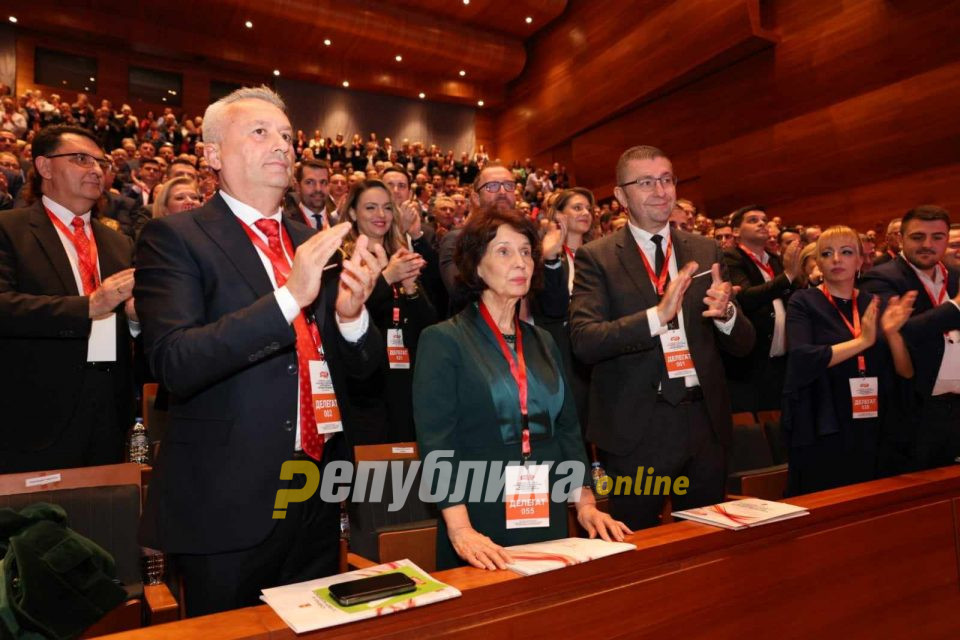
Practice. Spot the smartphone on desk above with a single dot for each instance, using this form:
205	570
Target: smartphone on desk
372	588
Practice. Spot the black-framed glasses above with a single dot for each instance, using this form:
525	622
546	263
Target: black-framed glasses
493	186
649	183
84	160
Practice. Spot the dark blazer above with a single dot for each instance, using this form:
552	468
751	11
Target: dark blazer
756	299
44	328
924	331
609	330
465	401
128	212
216	338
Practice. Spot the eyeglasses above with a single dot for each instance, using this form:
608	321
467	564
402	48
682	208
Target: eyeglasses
84	160
494	186
649	183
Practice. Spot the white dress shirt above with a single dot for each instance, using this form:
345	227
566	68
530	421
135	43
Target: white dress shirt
649	248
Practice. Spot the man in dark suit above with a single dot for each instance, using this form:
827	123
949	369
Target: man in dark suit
314	208
243	328
756	381
66	395
933	336
893	240
653	333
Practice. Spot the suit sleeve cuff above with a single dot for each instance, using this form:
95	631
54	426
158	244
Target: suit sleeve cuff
288	306
353	331
654	321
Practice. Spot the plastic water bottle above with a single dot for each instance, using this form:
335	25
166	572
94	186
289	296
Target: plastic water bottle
138	445
597	474
344	524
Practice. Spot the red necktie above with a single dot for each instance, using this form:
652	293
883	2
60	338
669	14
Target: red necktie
88	270
306	350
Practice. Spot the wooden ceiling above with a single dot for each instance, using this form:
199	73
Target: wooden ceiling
436	39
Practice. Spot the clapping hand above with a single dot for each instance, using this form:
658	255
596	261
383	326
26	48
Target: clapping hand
718	295
673	296
553	240
358	277
868	323
897	313
404	267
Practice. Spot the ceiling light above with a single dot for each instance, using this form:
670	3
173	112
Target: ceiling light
462	73
13	19
92	79
164	99
398	58
248	24
327	42
346	84
479	103
276	72
466	1
422	95
529	20
86	88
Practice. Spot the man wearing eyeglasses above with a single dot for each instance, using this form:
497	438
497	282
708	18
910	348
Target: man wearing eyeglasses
651	310
65	298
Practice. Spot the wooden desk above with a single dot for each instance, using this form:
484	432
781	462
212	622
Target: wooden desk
878	559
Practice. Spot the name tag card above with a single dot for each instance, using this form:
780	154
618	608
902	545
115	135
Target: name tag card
527	495
324	400
676	352
397	355
865	393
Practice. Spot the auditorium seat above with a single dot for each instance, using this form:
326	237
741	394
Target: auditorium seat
752	468
103	504
381	535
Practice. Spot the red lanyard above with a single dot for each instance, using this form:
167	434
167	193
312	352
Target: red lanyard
943	290
396	306
854	328
766	268
570	253
58	223
281	268
518	369
659	281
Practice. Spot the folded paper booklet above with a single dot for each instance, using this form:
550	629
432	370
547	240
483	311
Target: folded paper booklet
529	559
306	606
741	514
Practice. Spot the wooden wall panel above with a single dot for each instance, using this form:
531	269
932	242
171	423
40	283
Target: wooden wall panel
856	96
602	57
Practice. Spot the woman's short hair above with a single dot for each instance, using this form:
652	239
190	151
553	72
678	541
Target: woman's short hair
160	207
477	233
837	232
394	240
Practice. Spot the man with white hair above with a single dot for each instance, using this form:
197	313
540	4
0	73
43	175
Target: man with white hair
255	339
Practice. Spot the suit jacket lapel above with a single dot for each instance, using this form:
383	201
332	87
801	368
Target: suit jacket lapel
683	254
225	230
629	255
49	241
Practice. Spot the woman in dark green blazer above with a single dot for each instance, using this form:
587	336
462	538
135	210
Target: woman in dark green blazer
466	400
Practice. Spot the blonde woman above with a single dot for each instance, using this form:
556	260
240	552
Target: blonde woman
175	196
846	366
